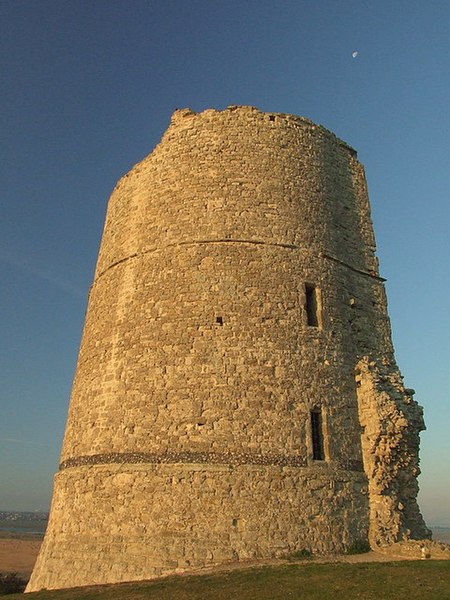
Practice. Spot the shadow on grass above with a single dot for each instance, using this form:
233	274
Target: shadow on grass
406	580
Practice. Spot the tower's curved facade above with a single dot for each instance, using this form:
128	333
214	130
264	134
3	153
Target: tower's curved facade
236	394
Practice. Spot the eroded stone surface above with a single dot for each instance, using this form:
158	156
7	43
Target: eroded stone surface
188	440
391	421
417	550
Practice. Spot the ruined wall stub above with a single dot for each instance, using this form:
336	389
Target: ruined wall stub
236	339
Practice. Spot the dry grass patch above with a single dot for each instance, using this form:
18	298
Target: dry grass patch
408	580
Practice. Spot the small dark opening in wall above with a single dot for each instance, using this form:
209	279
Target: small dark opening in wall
271	117
317	435
219	320
311	305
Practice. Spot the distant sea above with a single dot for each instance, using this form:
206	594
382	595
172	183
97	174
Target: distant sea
27	524
441	534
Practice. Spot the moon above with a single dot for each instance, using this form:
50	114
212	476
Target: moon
355	54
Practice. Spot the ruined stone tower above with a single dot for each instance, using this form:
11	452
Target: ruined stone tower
236	394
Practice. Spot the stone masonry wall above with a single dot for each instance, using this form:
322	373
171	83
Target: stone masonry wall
188	440
391	421
128	521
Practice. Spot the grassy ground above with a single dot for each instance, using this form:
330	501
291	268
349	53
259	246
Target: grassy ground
406	580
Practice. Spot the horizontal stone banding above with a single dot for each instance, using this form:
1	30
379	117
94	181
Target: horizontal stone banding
284	245
196	457
200	243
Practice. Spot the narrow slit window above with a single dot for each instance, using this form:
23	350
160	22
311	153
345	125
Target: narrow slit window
311	305
317	435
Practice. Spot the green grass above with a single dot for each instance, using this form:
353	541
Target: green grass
408	580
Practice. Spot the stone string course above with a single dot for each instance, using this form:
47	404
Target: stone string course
197	458
188	440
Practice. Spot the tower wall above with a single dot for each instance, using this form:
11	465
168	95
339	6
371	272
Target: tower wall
188	440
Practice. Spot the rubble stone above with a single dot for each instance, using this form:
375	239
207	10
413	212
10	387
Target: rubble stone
236	394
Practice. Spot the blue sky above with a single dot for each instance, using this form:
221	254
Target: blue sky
87	89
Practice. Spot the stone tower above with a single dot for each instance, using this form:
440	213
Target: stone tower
236	394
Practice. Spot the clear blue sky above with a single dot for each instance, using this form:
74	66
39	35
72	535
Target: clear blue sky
88	87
